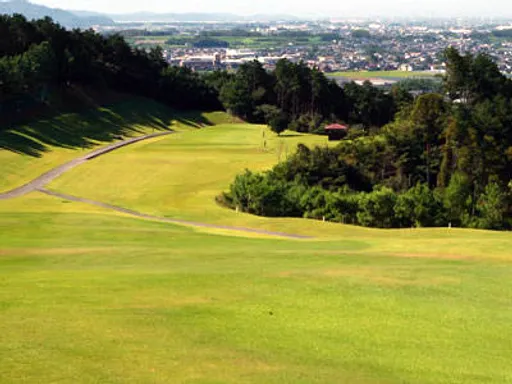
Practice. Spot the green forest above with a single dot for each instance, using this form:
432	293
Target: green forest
438	159
40	58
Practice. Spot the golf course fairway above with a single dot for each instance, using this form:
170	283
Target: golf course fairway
92	295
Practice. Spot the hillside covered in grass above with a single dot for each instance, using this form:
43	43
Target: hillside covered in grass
96	287
91	295
27	150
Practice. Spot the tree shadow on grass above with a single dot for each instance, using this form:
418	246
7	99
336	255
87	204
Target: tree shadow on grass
15	142
104	124
193	119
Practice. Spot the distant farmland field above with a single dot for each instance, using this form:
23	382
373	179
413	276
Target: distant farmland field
384	74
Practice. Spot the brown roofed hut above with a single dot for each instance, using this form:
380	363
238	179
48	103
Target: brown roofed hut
336	131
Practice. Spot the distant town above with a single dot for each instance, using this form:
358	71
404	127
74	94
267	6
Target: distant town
335	47
381	50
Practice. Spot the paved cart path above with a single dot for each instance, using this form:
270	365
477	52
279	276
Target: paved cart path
46	178
165	219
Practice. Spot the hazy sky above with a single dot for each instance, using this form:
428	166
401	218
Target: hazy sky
298	7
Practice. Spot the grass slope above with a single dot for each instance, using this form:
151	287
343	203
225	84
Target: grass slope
88	295
179	176
27	151
98	298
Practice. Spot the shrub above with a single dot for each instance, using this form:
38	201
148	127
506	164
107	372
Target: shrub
261	195
420	207
457	198
376	209
491	208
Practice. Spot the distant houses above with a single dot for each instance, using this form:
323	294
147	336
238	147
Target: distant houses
205	60
390	47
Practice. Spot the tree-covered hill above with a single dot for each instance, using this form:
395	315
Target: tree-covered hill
40	58
65	18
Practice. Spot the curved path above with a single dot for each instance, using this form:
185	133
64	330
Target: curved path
165	219
40	182
51	175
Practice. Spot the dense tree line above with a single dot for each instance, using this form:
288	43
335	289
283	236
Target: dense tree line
39	55
421	85
502	33
445	159
361	33
198	42
207	42
134	32
303	97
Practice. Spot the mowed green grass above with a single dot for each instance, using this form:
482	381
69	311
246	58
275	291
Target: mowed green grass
181	175
38	147
92	296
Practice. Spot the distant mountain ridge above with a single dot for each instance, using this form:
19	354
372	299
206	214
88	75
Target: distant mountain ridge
66	18
87	19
